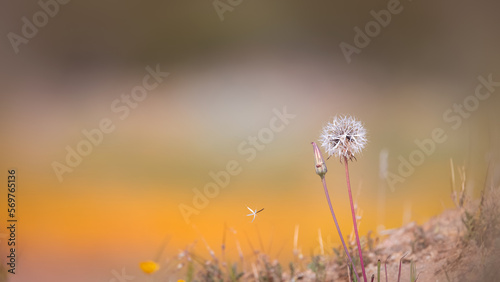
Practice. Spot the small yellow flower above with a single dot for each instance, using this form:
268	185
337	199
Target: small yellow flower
149	266
180	280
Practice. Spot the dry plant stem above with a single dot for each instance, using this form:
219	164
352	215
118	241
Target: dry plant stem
337	225
400	261
385	265
354	219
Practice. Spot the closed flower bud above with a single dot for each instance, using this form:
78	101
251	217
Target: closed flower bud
319	163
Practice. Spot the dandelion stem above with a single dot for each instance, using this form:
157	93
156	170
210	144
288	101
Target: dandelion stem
337	225
354	219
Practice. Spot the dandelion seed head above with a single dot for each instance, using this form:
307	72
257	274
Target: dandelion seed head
344	137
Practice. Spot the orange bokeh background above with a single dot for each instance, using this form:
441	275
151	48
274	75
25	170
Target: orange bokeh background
121	204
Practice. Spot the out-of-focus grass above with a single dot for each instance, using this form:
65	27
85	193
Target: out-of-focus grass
481	232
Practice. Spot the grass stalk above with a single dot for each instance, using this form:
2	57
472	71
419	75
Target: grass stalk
385	266
378	270
400	261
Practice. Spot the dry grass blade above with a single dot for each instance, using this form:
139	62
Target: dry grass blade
400	261
385	265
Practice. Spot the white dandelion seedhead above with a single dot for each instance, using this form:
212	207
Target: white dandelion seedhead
344	137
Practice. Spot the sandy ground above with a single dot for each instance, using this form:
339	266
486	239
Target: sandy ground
437	247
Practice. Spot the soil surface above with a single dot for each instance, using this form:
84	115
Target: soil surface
437	247
434	246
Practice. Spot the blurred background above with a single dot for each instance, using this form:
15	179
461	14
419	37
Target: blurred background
231	66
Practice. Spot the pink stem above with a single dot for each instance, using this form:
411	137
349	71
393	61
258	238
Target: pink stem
354	220
338	228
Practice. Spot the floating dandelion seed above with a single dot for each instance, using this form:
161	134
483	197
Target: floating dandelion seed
254	213
344	137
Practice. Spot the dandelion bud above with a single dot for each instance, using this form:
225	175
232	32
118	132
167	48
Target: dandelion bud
319	163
